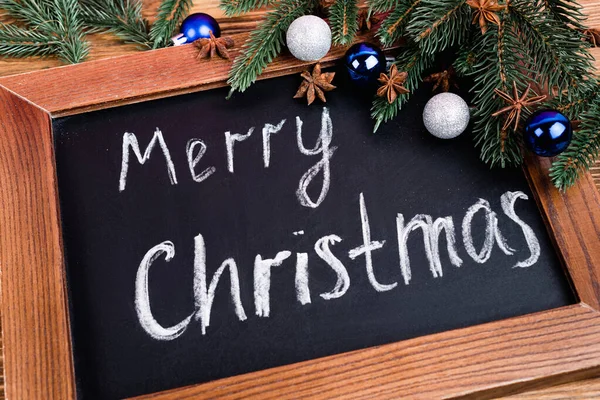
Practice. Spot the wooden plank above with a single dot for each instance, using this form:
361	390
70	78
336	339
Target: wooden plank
576	235
580	390
478	359
138	77
34	306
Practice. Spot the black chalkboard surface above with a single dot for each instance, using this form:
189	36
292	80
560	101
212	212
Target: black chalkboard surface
325	236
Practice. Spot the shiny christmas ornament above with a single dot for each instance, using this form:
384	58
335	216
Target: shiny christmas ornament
197	26
446	115
547	133
364	62
308	38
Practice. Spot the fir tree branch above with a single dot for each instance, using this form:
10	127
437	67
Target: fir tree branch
237	7
413	61
568	12
581	153
343	19
120	17
559	54
265	43
380	6
392	28
575	107
170	15
497	68
58	20
20	42
438	24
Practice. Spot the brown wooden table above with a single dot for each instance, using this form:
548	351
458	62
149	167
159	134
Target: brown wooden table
106	46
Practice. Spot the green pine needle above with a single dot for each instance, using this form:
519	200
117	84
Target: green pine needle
437	25
343	19
237	7
20	42
582	152
392	28
413	61
170	15
122	18
381	6
265	43
568	12
57	21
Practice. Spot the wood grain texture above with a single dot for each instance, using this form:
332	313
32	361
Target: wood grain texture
577	238
466	362
141	76
34	313
585	389
104	46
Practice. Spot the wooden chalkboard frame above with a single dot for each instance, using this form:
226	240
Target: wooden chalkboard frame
485	360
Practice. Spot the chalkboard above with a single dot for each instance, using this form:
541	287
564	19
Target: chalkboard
339	239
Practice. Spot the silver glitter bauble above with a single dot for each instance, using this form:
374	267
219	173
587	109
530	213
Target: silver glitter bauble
309	38
446	115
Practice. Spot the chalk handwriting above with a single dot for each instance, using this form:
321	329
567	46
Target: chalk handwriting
508	201
492	233
431	232
205	286
230	140
142	296
267	131
194	160
130	141
322	147
343	279
262	281
204	296
302	289
367	249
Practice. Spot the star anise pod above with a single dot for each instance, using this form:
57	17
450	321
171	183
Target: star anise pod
316	83
592	36
484	11
392	84
443	79
365	22
209	47
517	104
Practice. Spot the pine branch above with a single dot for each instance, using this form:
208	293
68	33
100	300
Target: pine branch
265	43
237	7
20	42
392	28
438	24
559	54
568	12
414	62
497	68
380	6
122	18
575	107
170	15
581	153
343	19
58	20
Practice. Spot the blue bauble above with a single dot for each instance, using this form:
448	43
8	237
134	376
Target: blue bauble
547	133
197	26
364	62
